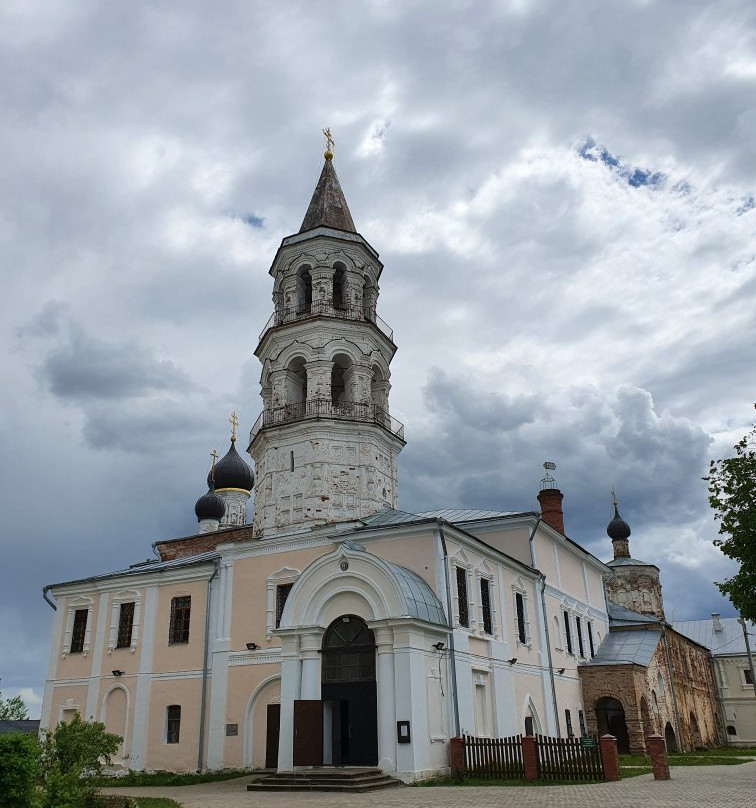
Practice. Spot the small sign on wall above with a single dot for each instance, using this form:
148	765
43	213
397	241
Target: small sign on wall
403	732
232	729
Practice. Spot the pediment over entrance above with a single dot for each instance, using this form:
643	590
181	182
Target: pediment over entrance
351	580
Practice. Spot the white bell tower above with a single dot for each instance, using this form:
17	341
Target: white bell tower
325	446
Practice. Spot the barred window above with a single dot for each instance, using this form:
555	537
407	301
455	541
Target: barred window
579	636
125	625
522	632
464	615
79	630
581	720
282	593
180	611
173	723
590	639
568	723
567	632
485	605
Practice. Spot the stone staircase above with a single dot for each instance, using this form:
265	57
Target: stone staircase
325	779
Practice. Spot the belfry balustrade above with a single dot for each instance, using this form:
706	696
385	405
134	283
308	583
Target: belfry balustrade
325	308
315	408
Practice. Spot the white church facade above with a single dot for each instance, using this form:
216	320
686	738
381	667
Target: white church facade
334	628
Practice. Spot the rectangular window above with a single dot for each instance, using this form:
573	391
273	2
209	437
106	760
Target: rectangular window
282	593
79	630
180	611
581	720
529	725
464	615
590	639
173	723
568	723
748	677
522	633
579	630
125	625
485	605
567	632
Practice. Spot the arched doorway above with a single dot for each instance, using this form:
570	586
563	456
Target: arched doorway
648	727
695	733
610	715
348	691
669	737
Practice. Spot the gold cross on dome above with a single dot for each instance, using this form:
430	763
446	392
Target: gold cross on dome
214	455
614	498
234	421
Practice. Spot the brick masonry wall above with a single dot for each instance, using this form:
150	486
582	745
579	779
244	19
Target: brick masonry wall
201	543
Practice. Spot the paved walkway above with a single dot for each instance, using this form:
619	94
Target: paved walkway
720	786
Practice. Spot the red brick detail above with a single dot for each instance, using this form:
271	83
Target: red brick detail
457	757
530	757
657	749
550	500
201	543
609	757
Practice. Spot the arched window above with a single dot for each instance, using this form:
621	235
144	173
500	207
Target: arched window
339	283
296	387
304	290
348	651
340	393
731	730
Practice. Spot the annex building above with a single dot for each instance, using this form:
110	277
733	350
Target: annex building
334	628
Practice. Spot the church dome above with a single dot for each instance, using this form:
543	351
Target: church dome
210	506
232	472
618	528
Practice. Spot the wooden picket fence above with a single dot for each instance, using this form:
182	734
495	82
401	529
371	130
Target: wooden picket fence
568	759
489	758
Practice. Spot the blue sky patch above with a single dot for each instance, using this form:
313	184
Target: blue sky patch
634	176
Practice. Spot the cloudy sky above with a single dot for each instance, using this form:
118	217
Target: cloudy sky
562	193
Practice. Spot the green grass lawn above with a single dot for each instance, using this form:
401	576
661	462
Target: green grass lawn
725	756
167	778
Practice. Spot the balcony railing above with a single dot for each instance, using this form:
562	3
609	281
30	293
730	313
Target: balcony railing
315	408
326	308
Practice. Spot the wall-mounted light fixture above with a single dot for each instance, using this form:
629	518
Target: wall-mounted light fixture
116	672
512	661
439	646
561	671
252	646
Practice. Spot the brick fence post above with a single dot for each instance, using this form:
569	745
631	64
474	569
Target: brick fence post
457	757
657	749
609	757
529	757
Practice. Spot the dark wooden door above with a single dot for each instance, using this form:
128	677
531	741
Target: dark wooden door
271	736
308	733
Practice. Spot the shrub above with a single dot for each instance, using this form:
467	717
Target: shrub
19	769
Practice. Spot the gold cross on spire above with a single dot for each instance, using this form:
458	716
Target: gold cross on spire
234	421
329	143
614	498
214	455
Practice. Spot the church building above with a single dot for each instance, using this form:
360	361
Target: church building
331	627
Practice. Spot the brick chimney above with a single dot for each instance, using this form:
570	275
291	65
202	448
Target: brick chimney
550	499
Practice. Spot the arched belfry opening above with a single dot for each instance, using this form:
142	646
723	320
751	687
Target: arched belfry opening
339	284
296	380
304	290
348	692
340	392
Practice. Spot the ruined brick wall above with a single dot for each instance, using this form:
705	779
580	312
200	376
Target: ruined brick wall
201	543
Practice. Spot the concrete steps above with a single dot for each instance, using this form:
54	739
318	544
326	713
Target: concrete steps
326	779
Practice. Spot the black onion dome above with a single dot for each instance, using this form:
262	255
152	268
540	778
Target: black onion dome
618	528
210	506
232	472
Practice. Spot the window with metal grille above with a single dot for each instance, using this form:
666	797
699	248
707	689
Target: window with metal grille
522	631
180	612
348	651
485	605
79	630
125	625
462	607
568	723
579	631
172	723
590	639
581	721
282	593
567	632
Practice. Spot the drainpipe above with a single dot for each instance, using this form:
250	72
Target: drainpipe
545	627
681	737
201	750
45	590
452	655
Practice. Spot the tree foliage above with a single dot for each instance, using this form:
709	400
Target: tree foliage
72	754
13	709
19	770
732	495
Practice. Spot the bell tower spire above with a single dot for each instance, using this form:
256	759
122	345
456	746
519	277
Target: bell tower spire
325	446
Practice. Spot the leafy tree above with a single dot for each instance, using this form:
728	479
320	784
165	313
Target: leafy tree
13	709
19	769
72	754
732	495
